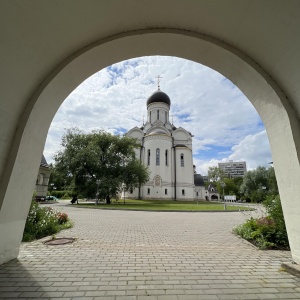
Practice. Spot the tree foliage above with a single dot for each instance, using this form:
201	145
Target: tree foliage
259	183
215	174
59	180
232	185
99	156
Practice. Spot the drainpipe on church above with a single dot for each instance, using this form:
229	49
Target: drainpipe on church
175	195
141	151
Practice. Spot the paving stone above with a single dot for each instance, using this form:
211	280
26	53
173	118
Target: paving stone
52	295
123	255
74	294
31	294
147	298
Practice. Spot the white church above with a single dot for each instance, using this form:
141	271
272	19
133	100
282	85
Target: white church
168	153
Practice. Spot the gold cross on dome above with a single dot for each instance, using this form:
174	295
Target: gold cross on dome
158	78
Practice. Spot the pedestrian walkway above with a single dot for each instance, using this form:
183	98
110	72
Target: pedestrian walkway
130	255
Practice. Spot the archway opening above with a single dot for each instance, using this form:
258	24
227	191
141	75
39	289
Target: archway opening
114	99
260	89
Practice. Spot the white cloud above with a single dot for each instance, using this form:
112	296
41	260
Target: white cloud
216	112
254	149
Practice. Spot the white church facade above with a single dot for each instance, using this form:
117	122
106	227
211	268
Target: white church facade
168	153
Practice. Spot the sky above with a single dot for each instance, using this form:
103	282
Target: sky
224	123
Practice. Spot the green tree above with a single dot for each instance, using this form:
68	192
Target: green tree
232	185
215	174
59	180
99	156
273	188
258	184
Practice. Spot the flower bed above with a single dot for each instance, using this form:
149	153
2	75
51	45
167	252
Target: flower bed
44	221
267	232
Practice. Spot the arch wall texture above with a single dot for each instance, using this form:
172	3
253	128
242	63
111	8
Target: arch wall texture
25	122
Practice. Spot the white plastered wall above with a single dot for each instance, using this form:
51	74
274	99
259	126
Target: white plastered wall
22	159
184	174
161	142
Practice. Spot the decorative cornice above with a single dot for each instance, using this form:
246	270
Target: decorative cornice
158	137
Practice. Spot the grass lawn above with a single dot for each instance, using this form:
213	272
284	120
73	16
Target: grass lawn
164	205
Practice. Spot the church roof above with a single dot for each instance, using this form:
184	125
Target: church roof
159	96
157	131
180	146
44	162
198	180
211	188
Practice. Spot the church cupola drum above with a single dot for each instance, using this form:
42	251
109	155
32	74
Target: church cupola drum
167	151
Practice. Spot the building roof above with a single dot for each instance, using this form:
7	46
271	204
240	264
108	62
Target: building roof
159	96
44	162
157	131
198	180
181	146
212	188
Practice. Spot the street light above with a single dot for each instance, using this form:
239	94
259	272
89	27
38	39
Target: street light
223	185
98	181
52	188
123	188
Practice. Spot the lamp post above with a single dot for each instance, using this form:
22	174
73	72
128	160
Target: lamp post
98	181
123	188
52	185
223	185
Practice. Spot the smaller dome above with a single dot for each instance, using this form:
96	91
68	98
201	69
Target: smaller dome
159	96
198	180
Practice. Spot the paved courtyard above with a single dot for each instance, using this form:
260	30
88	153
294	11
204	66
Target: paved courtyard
128	255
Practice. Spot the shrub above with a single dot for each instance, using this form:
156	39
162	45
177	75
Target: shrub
62	218
59	194
66	196
267	232
274	210
44	221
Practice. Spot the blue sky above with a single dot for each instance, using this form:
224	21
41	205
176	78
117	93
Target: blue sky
224	123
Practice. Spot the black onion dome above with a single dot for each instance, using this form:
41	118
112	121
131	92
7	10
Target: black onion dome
159	96
198	180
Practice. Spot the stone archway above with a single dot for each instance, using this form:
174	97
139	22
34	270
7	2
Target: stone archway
271	103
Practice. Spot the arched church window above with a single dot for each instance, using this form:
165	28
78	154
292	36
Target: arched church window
166	157
40	179
166	117
150	117
157	156
148	158
181	160
158	114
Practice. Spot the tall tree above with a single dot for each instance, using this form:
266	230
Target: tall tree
99	161
259	183
215	174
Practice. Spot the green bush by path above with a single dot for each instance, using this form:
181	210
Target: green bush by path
61	194
268	232
44	221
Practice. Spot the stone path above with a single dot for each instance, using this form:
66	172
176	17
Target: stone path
125	255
